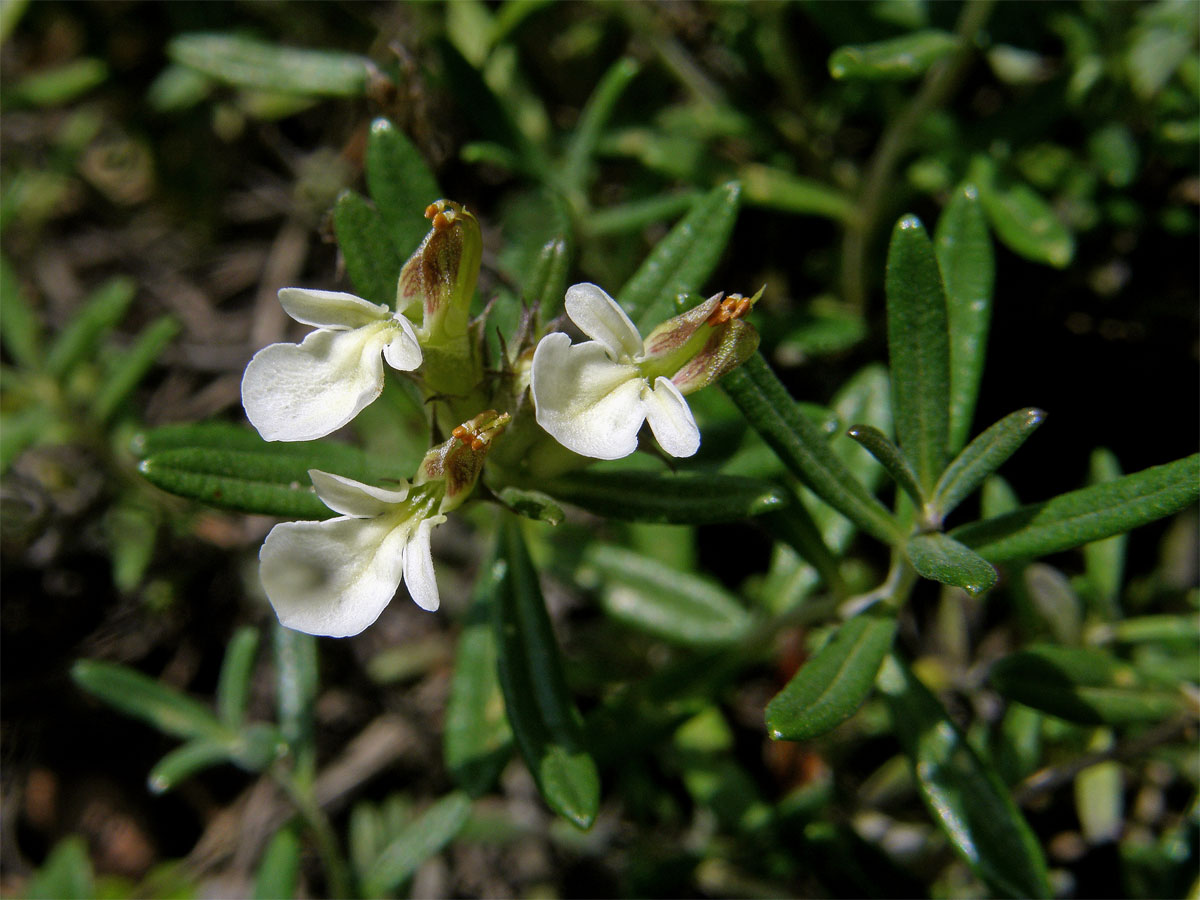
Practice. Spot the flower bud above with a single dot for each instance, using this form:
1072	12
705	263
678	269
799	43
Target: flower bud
459	460
440	276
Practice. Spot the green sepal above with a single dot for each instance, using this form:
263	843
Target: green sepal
832	685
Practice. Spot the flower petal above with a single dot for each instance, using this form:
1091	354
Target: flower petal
300	392
353	498
335	577
601	318
402	352
586	402
330	309
671	419
418	566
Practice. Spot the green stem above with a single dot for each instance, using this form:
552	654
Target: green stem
940	82
327	845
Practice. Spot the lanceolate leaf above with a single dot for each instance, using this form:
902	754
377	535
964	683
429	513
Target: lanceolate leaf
964	795
766	404
371	255
880	446
1105	559
401	186
918	350
419	840
19	326
544	720
279	871
248	63
132	366
1083	685
1021	218
833	684
592	120
233	687
663	601
898	59
547	283
679	499
185	761
144	698
1086	515
88	327
477	739
680	262
964	254
983	456
941	558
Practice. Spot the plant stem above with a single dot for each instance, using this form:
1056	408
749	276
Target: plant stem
327	845
940	82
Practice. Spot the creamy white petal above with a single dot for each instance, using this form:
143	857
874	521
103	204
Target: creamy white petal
300	392
601	318
418	566
330	309
402	352
335	577
584	400
671	418
353	498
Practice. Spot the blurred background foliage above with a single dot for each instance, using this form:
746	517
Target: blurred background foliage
165	168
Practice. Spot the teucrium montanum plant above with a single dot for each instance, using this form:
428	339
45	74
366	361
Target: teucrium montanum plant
334	577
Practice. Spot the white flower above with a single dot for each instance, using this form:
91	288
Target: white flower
335	577
300	392
593	397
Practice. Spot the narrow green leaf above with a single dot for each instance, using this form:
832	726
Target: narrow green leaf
898	59
777	189
1021	217
532	505
680	262
674	499
178	88
248	63
982	457
19	326
547	284
964	795
943	559
638	213
1105	560
278	875
295	687
233	686
131	531
421	839
663	601
767	406
595	115
964	254
918	350
1169	628
134	694
1086	515
880	446
1055	601
185	761
544	720
796	526
59	85
65	875
1099	795
477	739
82	335
401	186
1082	684
372	259
133	366
831	686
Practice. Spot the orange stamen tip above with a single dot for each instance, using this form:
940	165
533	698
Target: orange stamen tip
441	222
432	210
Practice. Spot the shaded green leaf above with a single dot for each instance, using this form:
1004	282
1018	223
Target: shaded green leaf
422	838
401	185
592	119
1105	560
831	686
477	739
1082	685
65	875
680	262
372	259
547	284
777	189
278	873
638	213
769	408
247	63
679	499
532	505
880	446
185	761
1021	218
1089	514
897	59
918	350
133	366
178	88
295	686
81	336
233	686
544	720
943	559
964	254
794	525
1055	601
144	698
964	795
982	457
59	85
19	326
663	601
